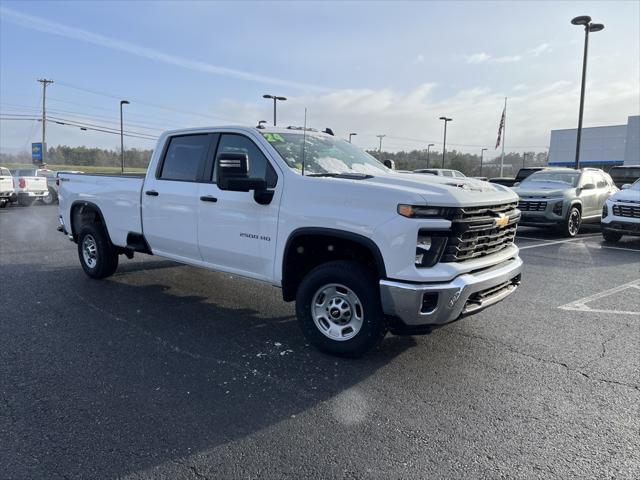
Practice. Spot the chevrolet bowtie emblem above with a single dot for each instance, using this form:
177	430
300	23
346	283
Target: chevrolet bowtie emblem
502	220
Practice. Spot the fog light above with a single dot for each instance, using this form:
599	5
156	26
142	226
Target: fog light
429	302
557	208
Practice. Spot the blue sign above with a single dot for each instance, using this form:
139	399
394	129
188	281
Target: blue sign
36	152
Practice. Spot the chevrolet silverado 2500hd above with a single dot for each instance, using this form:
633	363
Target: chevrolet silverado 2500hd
361	249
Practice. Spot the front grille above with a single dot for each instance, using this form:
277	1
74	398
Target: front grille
474	232
626	211
532	206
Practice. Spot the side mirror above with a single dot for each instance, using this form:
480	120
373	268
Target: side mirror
588	186
625	186
233	175
390	164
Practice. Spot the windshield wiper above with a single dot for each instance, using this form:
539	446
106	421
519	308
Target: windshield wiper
347	175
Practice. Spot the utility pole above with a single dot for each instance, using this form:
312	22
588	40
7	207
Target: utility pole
481	159
44	83
122	102
380	148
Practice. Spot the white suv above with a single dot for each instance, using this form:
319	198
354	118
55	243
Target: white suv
621	213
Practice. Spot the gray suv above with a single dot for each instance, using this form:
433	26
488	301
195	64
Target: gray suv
564	198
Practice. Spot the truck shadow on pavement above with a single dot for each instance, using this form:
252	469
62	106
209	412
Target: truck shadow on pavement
117	377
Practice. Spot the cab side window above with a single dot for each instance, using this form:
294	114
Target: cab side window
184	158
588	177
259	166
602	182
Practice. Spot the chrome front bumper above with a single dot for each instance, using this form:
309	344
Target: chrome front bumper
436	304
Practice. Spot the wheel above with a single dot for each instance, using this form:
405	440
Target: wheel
50	198
97	254
571	225
26	201
610	236
339	310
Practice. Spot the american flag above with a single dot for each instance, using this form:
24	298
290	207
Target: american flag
501	127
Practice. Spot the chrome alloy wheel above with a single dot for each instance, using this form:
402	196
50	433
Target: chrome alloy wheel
574	222
337	312
90	251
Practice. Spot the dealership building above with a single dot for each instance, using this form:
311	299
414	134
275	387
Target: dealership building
601	147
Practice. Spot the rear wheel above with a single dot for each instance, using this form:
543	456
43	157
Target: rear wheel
572	223
610	236
97	254
50	197
338	308
26	201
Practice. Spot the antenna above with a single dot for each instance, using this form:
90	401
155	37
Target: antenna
304	139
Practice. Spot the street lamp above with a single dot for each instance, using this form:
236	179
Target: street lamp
351	135
275	99
428	152
122	102
444	143
261	123
380	148
481	159
524	159
585	21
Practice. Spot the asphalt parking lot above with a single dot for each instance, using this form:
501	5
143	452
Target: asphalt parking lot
167	371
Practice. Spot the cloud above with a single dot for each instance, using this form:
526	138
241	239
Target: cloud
42	25
419	59
540	49
507	59
478	57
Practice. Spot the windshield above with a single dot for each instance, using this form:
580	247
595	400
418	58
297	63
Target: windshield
570	178
635	185
323	154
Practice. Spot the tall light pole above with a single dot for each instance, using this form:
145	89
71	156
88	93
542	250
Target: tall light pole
444	143
481	159
44	83
122	102
275	99
524	159
584	20
429	152
351	135
380	148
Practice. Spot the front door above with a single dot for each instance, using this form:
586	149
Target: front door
589	196
170	198
235	233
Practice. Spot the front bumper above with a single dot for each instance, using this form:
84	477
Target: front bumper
434	304
622	226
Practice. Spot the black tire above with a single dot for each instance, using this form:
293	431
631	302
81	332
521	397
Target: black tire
50	198
26	201
610	236
104	261
363	283
571	225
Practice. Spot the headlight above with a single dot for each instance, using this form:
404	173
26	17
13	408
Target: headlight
557	207
429	248
420	211
605	210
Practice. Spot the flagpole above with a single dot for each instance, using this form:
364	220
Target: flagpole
504	135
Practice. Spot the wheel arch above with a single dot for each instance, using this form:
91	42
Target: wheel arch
361	248
83	212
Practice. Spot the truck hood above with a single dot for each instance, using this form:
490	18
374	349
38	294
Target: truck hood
541	189
444	191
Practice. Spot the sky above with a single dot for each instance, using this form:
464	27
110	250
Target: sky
371	68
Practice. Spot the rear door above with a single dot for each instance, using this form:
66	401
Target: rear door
589	197
170	197
236	234
603	189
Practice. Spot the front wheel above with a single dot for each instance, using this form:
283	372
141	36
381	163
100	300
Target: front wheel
98	256
571	225
610	236
339	310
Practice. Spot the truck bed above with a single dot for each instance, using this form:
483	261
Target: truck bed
117	196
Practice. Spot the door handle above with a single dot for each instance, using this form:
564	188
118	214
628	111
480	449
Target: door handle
151	193
208	198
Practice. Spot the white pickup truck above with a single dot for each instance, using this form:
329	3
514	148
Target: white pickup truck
362	249
29	186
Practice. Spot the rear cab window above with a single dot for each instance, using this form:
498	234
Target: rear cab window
184	158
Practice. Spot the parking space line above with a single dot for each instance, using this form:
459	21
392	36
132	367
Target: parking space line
581	305
616	248
555	242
